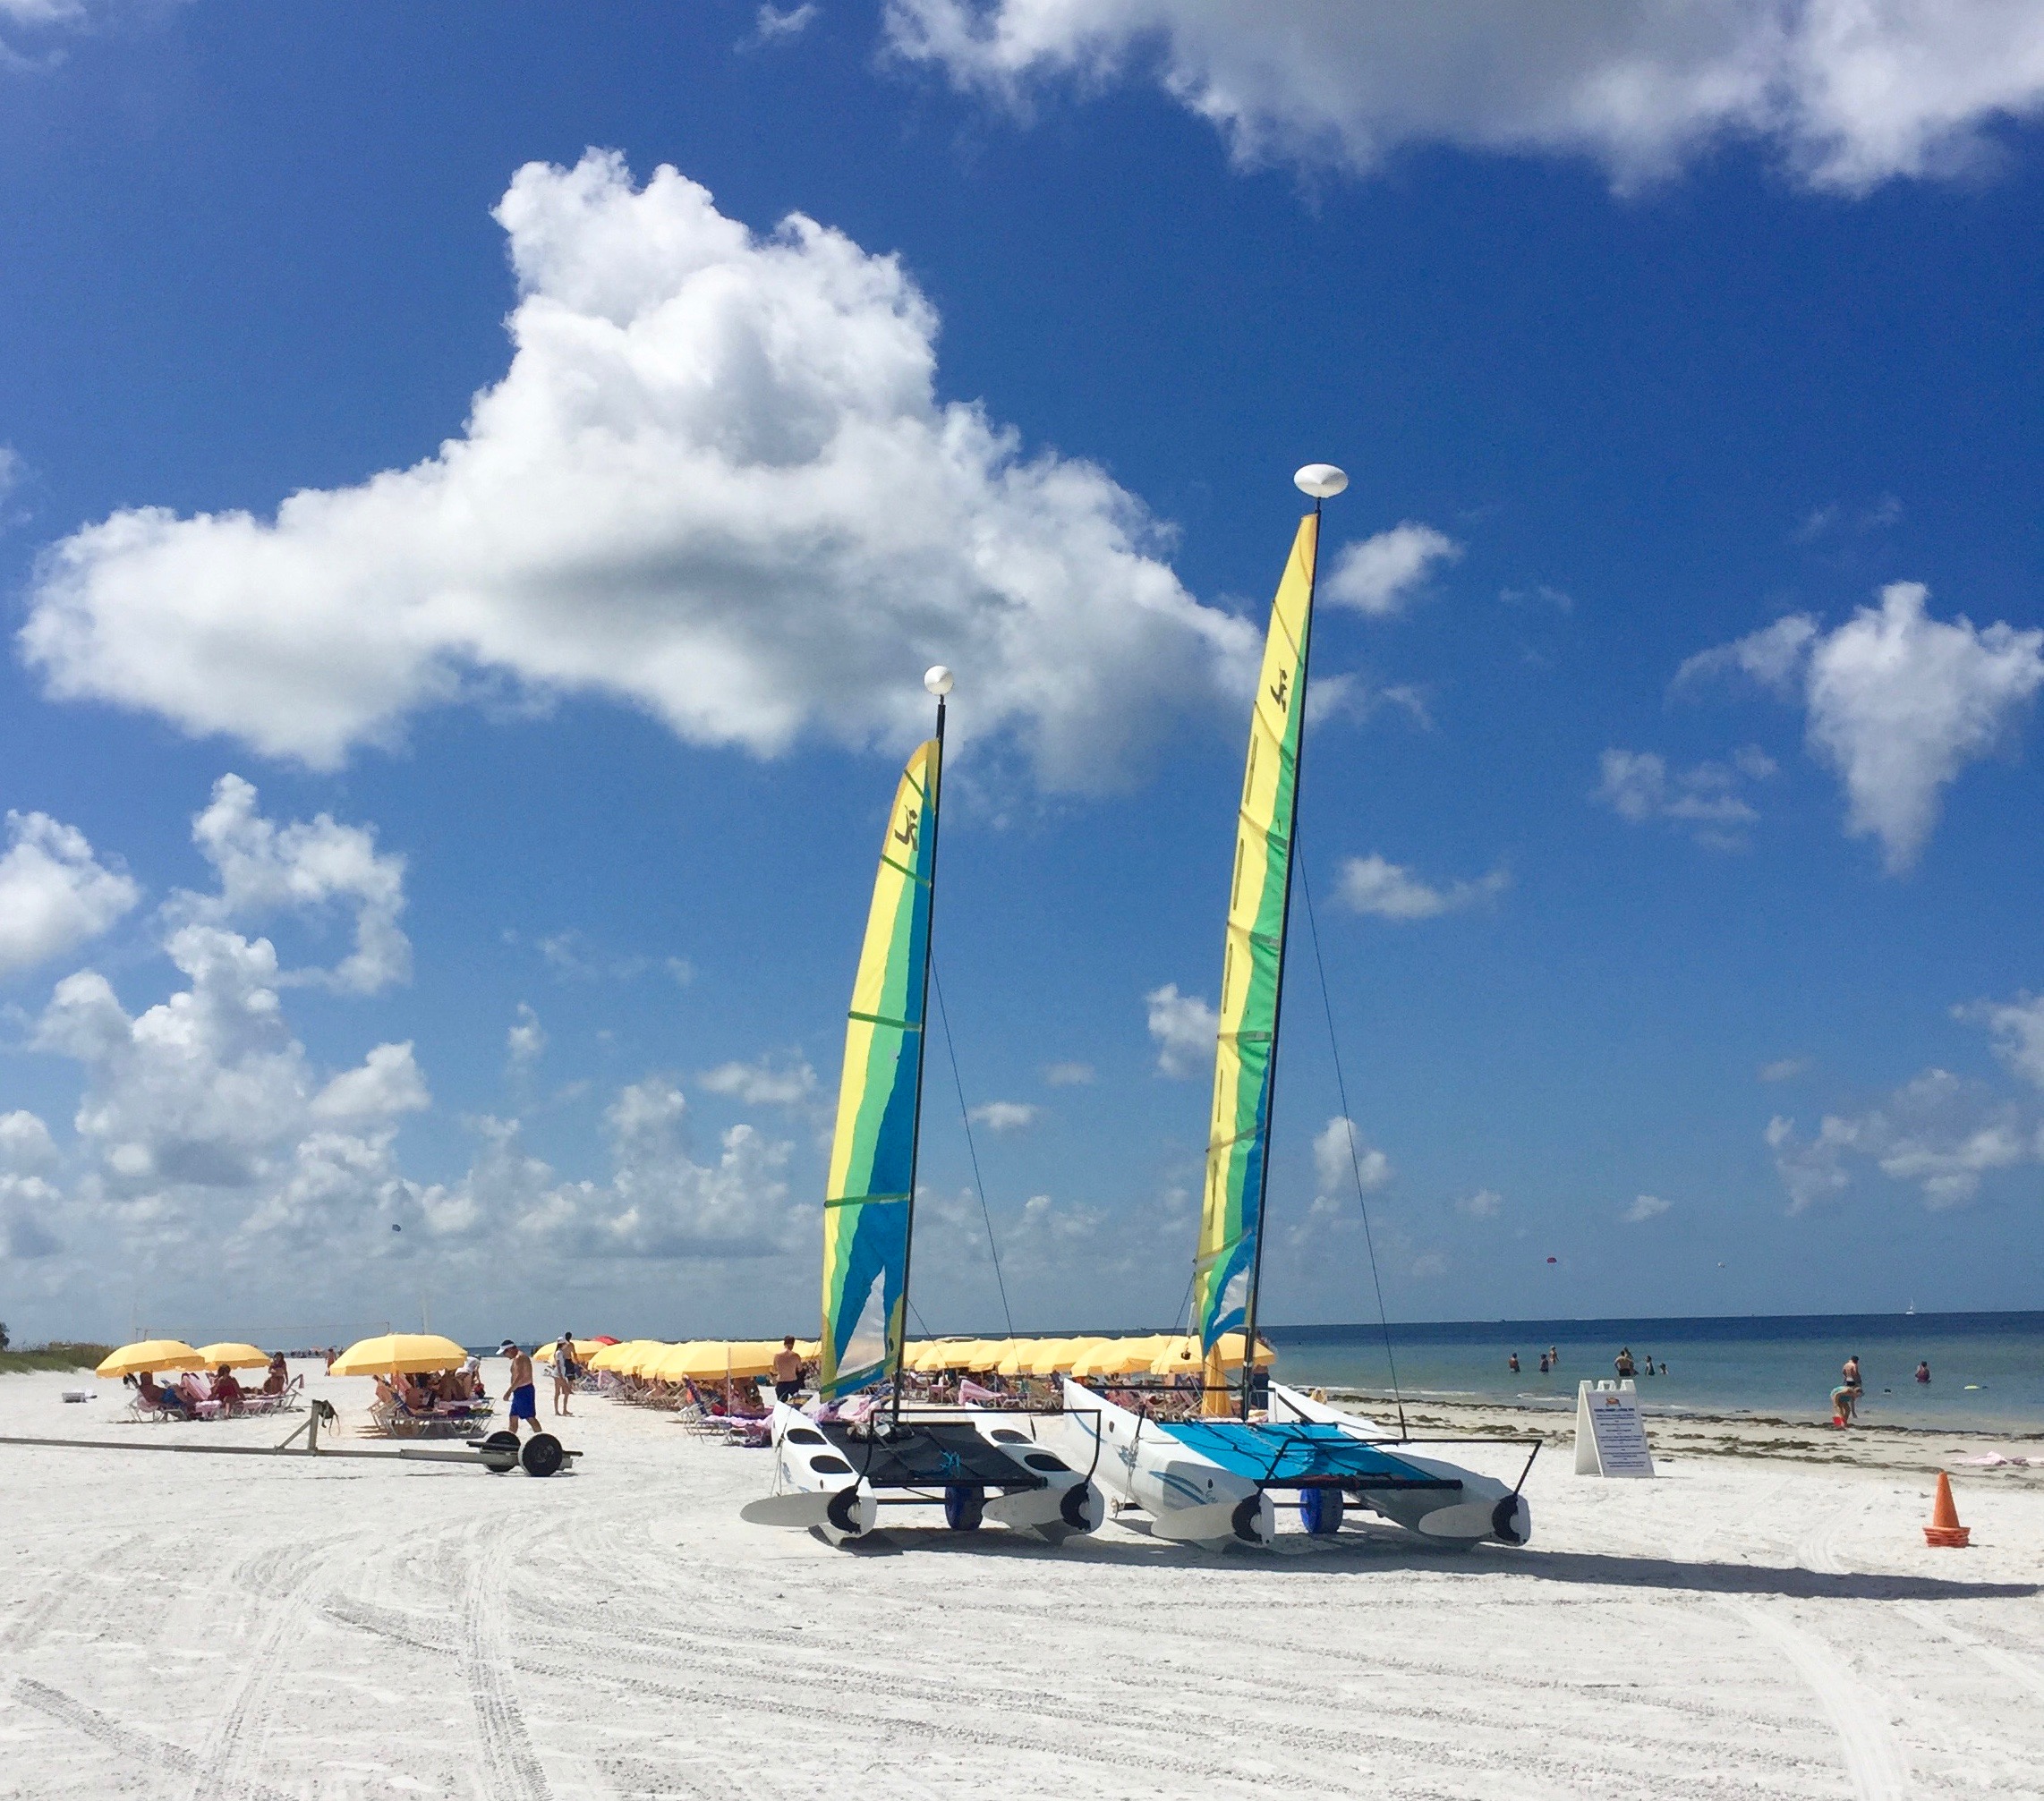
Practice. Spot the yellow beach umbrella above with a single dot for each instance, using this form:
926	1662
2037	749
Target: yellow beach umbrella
1015	1357
752	1356
934	1355
1119	1357
1183	1357
646	1358
411	1354
612	1356
710	1360
663	1366
586	1348
1055	1354
235	1356
152	1355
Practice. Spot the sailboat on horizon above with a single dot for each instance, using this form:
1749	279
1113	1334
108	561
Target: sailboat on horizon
858	1448
1211	1481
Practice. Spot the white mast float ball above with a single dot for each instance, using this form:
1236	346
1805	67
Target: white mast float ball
1322	480
937	679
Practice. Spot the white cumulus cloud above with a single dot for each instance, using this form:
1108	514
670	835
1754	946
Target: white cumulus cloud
1380	575
1184	1028
1897	703
1847	93
208	1091
525	1041
1706	799
1005	1116
1389	890
55	894
767	1082
305	866
1646	1207
2018	1028
1941	1131
25	1142
1341	1156
717	483
777	24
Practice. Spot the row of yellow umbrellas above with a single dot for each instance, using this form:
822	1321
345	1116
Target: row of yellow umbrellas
406	1353
153	1355
1161	1354
696	1360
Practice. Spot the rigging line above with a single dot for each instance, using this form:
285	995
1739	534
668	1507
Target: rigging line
972	1150
1348	1126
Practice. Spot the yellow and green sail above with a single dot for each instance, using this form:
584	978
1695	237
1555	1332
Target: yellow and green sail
872	1157
1237	1137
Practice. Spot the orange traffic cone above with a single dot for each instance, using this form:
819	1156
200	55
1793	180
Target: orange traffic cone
1945	1528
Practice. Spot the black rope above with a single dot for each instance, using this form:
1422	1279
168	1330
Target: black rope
972	1150
1348	1126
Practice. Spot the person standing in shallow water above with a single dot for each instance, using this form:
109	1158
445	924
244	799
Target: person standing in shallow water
1923	1371
1622	1362
1512	1362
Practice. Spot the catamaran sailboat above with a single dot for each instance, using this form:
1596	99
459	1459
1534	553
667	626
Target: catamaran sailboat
1211	1481
858	1449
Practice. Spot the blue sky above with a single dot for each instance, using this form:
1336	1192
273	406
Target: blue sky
1670	811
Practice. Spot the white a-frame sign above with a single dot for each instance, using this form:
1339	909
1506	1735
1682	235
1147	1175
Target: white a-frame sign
1611	1437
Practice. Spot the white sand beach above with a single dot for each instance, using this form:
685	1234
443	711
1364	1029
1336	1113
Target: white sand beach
1741	1625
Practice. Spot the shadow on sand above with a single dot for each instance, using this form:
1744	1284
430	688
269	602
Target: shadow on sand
1371	1552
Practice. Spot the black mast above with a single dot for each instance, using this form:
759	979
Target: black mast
938	683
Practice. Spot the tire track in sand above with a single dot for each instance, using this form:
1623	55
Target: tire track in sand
1873	1760
515	1771
159	1756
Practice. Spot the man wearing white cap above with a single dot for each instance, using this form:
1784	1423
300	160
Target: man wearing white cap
525	1403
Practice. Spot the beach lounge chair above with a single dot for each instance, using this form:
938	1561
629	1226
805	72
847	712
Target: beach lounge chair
450	1420
288	1399
158	1410
198	1392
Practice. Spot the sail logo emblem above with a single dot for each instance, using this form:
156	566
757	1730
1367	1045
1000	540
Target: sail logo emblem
911	823
1281	693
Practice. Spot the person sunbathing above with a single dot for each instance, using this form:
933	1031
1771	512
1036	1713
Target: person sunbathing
279	1376
385	1394
154	1395
226	1390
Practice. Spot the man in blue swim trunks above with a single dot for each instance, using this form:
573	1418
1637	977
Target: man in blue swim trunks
525	1405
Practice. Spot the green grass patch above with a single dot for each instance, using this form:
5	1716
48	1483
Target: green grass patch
54	1357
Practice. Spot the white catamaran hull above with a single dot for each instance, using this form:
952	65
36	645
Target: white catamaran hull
1484	1509
1188	1496
817	1488
1192	1498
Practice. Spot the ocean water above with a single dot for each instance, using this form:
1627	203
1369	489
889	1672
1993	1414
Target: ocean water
1987	1369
